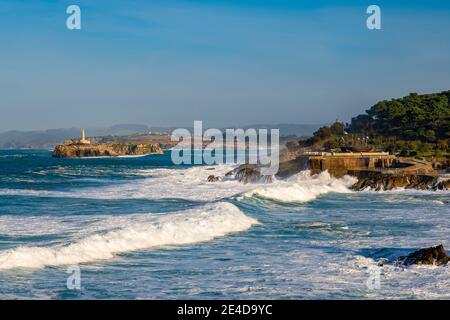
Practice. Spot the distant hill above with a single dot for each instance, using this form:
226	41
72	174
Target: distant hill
46	139
50	138
286	129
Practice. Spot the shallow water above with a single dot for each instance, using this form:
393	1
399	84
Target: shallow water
143	228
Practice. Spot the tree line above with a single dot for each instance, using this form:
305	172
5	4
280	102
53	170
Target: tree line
423	117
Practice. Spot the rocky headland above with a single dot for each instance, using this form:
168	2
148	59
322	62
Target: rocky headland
112	149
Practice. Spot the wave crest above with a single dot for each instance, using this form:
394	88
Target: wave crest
191	226
303	187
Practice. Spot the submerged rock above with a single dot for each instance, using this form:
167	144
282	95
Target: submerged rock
427	256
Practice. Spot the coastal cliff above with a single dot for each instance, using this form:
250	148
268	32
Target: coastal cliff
114	149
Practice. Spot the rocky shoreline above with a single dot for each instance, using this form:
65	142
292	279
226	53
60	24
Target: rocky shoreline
367	179
379	181
113	149
374	170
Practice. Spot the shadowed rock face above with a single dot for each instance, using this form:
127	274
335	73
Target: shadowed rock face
428	256
105	150
249	174
383	181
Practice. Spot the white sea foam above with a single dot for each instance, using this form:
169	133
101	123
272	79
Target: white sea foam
190	184
417	281
303	187
149	231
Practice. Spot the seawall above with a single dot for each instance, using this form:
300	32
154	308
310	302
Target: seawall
340	164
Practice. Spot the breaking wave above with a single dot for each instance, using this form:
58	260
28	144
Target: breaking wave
303	187
190	184
186	227
163	183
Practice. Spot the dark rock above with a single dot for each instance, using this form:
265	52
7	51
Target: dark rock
427	256
247	173
229	173
379	181
213	178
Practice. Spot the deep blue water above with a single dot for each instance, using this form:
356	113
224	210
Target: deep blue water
142	228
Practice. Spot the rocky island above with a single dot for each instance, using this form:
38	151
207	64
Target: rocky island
83	148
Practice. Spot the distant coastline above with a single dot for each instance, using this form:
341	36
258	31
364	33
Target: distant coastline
49	139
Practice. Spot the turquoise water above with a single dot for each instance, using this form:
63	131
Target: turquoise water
142	228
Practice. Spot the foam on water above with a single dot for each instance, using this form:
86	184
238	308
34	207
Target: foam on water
186	227
162	183
414	282
303	187
190	184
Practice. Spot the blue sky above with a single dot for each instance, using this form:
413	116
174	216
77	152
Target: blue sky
228	63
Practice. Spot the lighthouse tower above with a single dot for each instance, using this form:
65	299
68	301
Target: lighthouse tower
83	137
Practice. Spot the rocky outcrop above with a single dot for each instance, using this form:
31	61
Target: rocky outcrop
247	173
113	149
379	181
213	178
427	256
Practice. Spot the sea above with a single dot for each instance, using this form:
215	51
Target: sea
144	228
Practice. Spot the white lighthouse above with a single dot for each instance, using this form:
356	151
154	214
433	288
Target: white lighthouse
83	137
